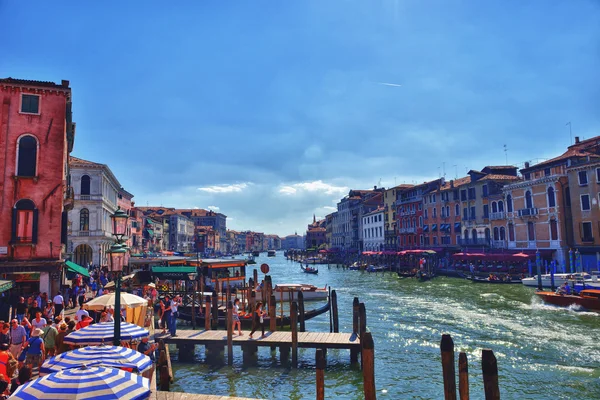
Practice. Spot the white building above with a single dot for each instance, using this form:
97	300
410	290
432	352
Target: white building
96	192
373	230
181	233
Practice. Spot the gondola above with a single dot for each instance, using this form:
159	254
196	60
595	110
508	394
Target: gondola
309	270
186	315
479	279
406	274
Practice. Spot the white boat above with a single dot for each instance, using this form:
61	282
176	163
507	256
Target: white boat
559	279
310	292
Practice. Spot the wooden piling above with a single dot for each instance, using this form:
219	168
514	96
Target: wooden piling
193	304
330	310
294	326
252	302
355	315
463	376
448	371
230	332
320	363
489	367
334	314
272	314
301	311
254	277
362	329
368	357
215	310
207	318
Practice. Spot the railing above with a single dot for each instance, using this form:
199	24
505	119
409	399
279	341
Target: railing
407	230
84	197
499	244
528	212
474	242
497	215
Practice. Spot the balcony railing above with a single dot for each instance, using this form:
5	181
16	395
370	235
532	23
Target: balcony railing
497	215
474	242
499	244
407	230
88	197
528	212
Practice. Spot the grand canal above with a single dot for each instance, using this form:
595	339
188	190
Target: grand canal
543	352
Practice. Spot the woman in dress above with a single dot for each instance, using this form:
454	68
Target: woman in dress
236	316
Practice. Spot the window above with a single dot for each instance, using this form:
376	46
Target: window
494	207
511	232
435	213
420	206
528	200
465	213
547	172
583	178
472	195
447	211
598	175
585	202
24	222
472	213
474	234
484	190
553	229
527	177
455	194
433	196
486	211
586	232
500	206
30	103
463	195
420	222
487	234
456	210
425	214
531	231
551	198
502	233
85	185
84	220
496	233
466	234
435	240
27	156
509	205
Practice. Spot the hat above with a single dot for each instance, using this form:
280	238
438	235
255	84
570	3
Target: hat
152	285
37	332
3	346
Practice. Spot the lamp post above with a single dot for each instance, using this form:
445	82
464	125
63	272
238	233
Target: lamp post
118	252
192	278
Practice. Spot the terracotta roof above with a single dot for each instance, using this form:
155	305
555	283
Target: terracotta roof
75	160
317	230
500	167
572	152
457	182
27	82
497	177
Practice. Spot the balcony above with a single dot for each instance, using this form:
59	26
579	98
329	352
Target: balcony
474	242
497	215
499	244
528	212
407	230
90	233
88	197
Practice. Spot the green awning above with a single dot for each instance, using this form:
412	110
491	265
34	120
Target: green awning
5	285
77	268
174	272
149	221
150	232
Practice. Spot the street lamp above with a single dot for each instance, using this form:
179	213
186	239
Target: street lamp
118	253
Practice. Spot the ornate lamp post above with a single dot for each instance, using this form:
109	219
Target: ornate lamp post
118	252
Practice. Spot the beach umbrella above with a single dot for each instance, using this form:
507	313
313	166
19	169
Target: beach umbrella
86	383
107	300
104	333
98	356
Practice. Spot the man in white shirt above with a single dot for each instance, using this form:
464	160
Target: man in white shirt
80	313
175	303
38	321
58	301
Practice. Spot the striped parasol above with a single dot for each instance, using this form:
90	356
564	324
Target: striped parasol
104	333
86	383
98	356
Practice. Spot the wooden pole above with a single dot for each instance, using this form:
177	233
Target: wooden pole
254	277
320	363
330	310
336	322
207	314
362	320
272	314
355	315
301	311
294	326
215	311
281	302
368	358
463	376
193	304
489	367
448	372
252	302
230	332
201	290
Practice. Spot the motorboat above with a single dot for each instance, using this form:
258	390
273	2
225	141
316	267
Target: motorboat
588	299
373	268
507	280
282	291
559	279
271	253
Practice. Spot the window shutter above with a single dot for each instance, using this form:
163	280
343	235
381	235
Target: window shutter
64	227
34	235
13	236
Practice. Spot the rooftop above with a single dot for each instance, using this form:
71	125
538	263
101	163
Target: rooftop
27	82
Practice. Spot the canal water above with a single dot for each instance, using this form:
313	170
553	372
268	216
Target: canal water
543	352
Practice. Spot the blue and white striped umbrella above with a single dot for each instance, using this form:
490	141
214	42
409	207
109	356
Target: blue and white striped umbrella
98	356
104	333
86	383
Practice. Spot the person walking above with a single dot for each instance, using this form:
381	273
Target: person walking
58	301
258	320
236	316
36	353
21	309
175	303
18	337
50	333
165	317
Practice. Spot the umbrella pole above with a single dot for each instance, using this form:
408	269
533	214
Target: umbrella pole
117	338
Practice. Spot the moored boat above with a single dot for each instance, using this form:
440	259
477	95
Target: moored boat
373	268
588	299
480	279
559	279
282	291
309	270
271	253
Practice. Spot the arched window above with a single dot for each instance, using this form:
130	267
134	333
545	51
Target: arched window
502	233
27	156
420	222
84	220
509	204
500	206
414	223
496	233
528	200
494	207
487	233
85	185
551	198
457	210
511	232
531	231
466	234
24	222
474	234
553	229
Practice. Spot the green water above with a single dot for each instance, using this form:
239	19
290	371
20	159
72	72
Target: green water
543	352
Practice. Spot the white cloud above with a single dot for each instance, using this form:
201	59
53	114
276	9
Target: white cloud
233	188
330	208
314	186
214	208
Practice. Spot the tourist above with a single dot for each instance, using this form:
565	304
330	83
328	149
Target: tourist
165	313
175	303
60	345
49	311
21	309
58	301
80	314
27	325
258	319
35	349
23	377
5	357
50	333
38	321
4	383
5	334
81	297
33	310
86	321
236	316
147	348
18	337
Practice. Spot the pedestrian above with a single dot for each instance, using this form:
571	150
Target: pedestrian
147	348
27	326
85	321
5	357
21	309
49	311
165	313
175	303
5	334
81	297
33	310
80	313
58	301
258	319
36	353
236	316
18	337
50	333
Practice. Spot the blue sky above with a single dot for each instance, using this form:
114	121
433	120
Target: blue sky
271	110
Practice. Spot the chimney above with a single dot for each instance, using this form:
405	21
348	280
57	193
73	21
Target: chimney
526	164
375	187
576	139
64	83
452	183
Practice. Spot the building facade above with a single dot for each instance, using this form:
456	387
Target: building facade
390	196
373	226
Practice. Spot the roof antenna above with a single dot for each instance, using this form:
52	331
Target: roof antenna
506	154
444	168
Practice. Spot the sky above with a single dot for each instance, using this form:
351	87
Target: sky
271	111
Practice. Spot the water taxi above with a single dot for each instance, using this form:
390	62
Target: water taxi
559	279
588	299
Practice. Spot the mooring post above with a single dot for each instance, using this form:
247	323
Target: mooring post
368	358
336	322
301	311
229	332
294	323
207	318
215	310
272	314
330	310
252	302
320	363
254	277
463	376
489	367
448	372
362	321
193	304
355	315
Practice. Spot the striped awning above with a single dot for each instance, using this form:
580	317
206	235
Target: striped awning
86	383
5	285
98	356
104	333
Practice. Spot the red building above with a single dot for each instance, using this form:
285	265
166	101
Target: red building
37	136
409	213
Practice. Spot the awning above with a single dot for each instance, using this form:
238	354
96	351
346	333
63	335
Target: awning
77	268
457	227
425	228
149	221
433	227
5	285
150	232
177	273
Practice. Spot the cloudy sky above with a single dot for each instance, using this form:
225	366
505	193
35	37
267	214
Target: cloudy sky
270	111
